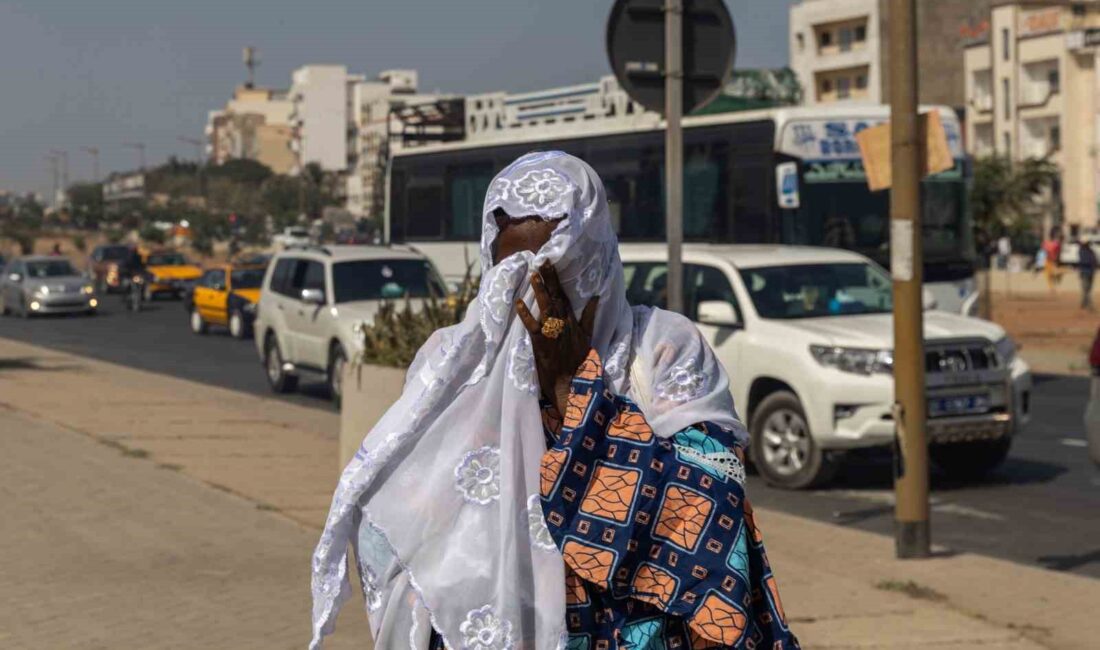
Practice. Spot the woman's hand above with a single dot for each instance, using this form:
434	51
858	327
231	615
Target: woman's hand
560	342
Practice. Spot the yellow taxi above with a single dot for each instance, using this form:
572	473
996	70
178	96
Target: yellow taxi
226	296
168	272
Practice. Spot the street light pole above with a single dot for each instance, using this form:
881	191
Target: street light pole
674	151
140	147
912	529
94	152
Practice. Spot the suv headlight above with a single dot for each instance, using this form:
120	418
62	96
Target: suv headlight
858	361
1006	350
42	291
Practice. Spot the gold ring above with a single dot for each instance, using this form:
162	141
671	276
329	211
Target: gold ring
553	327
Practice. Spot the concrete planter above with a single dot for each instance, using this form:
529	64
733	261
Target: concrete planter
369	391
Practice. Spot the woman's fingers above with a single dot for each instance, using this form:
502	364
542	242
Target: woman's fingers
529	321
557	295
588	317
542	297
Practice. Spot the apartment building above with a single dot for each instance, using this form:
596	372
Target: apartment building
1031	88
255	125
320	115
840	50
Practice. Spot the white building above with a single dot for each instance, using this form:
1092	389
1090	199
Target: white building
321	114
835	50
254	125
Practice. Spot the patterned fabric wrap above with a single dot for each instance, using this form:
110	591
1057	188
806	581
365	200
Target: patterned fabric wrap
659	541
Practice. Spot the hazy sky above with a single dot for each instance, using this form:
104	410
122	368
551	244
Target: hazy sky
78	73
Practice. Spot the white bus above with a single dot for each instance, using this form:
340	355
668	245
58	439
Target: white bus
784	176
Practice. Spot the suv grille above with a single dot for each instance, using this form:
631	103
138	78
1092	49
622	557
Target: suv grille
964	356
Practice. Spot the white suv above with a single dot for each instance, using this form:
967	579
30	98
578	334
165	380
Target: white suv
807	337
312	298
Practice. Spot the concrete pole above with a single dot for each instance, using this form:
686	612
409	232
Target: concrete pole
94	153
912	530
674	151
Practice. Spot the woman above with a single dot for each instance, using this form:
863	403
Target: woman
633	453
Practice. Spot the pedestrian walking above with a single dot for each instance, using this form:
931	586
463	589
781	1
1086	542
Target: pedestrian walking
562	470
1086	266
1004	251
1052	254
56	250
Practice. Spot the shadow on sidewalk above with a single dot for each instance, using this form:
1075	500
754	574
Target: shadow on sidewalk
1069	562
32	363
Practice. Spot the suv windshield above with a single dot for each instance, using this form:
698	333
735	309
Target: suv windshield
50	269
115	252
814	290
385	279
247	278
166	259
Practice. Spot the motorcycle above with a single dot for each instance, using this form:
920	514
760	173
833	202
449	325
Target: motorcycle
134	296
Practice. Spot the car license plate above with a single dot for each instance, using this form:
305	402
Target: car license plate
957	405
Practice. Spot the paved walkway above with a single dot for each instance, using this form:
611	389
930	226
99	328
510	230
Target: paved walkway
136	541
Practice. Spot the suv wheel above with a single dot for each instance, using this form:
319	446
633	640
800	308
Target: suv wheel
970	460
198	325
783	450
337	360
280	381
237	327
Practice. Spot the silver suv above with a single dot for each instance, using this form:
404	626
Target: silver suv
313	297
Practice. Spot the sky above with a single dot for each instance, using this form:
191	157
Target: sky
102	74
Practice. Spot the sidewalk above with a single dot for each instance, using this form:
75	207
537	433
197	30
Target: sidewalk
162	438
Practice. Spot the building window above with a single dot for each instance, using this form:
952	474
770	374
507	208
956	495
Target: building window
1007	144
1006	50
1054	80
827	86
845	39
861	33
861	82
1007	99
801	40
826	38
843	88
1055	138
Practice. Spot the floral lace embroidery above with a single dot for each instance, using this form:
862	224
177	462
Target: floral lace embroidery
540	534
723	463
521	366
484	630
683	383
543	191
477	476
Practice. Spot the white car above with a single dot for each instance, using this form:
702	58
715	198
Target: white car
292	237
312	299
807	336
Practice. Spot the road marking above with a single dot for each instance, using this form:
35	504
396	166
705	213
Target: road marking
1075	442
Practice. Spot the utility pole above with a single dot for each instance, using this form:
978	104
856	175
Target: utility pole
674	151
140	148
912	530
62	190
55	169
94	152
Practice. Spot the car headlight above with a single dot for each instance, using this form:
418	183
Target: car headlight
1006	350
88	289
858	361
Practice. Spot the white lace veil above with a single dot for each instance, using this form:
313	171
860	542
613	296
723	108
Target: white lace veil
441	501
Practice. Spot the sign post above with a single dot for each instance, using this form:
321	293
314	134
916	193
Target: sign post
912	529
672	57
674	152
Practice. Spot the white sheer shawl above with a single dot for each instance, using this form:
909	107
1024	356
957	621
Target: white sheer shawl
441	501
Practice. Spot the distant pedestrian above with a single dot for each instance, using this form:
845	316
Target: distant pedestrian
1052	249
1004	251
1086	266
56	250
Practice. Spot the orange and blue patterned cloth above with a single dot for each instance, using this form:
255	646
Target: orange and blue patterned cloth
660	545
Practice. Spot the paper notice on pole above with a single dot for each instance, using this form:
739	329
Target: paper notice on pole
901	249
875	151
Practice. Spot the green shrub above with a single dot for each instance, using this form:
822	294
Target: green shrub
399	331
80	243
152	234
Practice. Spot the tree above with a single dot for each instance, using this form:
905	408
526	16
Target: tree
87	203
1005	197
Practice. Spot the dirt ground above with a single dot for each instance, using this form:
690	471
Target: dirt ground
1052	331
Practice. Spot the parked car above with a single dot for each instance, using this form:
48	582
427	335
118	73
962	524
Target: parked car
225	296
807	336
107	266
169	272
312	299
292	237
37	284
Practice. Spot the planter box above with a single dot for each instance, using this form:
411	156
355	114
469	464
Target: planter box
368	393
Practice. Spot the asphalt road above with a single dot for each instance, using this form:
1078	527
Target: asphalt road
1042	507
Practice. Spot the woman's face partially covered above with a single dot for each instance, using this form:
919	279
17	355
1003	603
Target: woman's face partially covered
524	234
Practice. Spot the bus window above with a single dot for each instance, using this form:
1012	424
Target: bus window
632	171
467	184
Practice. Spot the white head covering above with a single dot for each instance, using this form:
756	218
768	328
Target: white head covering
441	501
